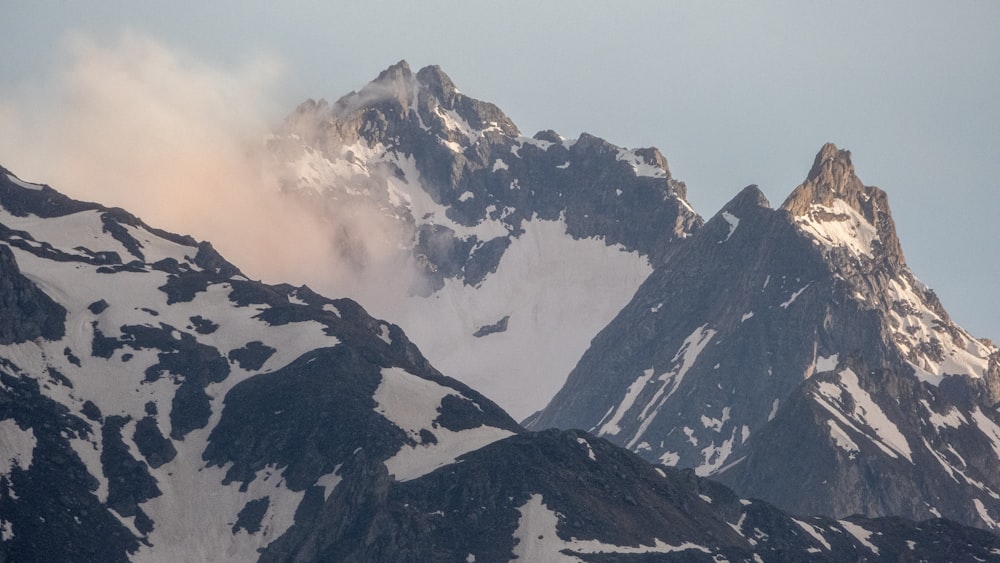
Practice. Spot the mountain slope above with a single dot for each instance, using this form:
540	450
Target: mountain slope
493	226
156	405
165	393
796	342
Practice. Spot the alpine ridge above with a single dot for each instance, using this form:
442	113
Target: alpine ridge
158	405
491	224
792	354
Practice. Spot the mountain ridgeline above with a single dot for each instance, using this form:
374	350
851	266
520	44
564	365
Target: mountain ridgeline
767	385
792	354
157	405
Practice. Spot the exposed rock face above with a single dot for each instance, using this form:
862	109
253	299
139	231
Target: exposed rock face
471	159
188	412
27	312
792	354
172	388
483	213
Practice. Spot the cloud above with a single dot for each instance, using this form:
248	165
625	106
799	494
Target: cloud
180	143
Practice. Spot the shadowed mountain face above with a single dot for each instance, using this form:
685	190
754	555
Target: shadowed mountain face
156	405
792	354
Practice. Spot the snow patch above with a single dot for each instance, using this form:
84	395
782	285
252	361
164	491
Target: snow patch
16	446
842	440
814	532
590	451
536	539
839	226
733	221
793	297
860	533
639	166
827	363
631	393
685	357
411	403
865	412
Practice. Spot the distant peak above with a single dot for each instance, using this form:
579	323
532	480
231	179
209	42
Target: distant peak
833	206
750	196
831	178
398	70
831	163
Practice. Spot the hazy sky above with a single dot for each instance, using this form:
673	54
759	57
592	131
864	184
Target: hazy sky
733	93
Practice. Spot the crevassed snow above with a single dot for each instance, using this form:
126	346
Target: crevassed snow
17	446
860	533
537	539
733	221
411	403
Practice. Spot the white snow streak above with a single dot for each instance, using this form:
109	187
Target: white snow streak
537	539
860	533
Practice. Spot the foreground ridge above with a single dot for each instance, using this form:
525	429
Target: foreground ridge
155	404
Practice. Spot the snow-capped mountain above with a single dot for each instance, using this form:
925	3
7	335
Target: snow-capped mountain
157	405
792	354
519	249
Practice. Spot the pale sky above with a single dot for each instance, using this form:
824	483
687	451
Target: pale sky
732	93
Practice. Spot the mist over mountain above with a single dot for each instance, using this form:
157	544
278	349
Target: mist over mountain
158	402
503	254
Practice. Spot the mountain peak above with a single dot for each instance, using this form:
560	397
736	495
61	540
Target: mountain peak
836	209
831	178
396	71
439	83
750	196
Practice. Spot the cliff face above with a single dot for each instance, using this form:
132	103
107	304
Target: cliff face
792	354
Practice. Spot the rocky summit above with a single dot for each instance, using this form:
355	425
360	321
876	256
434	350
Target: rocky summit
767	385
792	354
491	224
